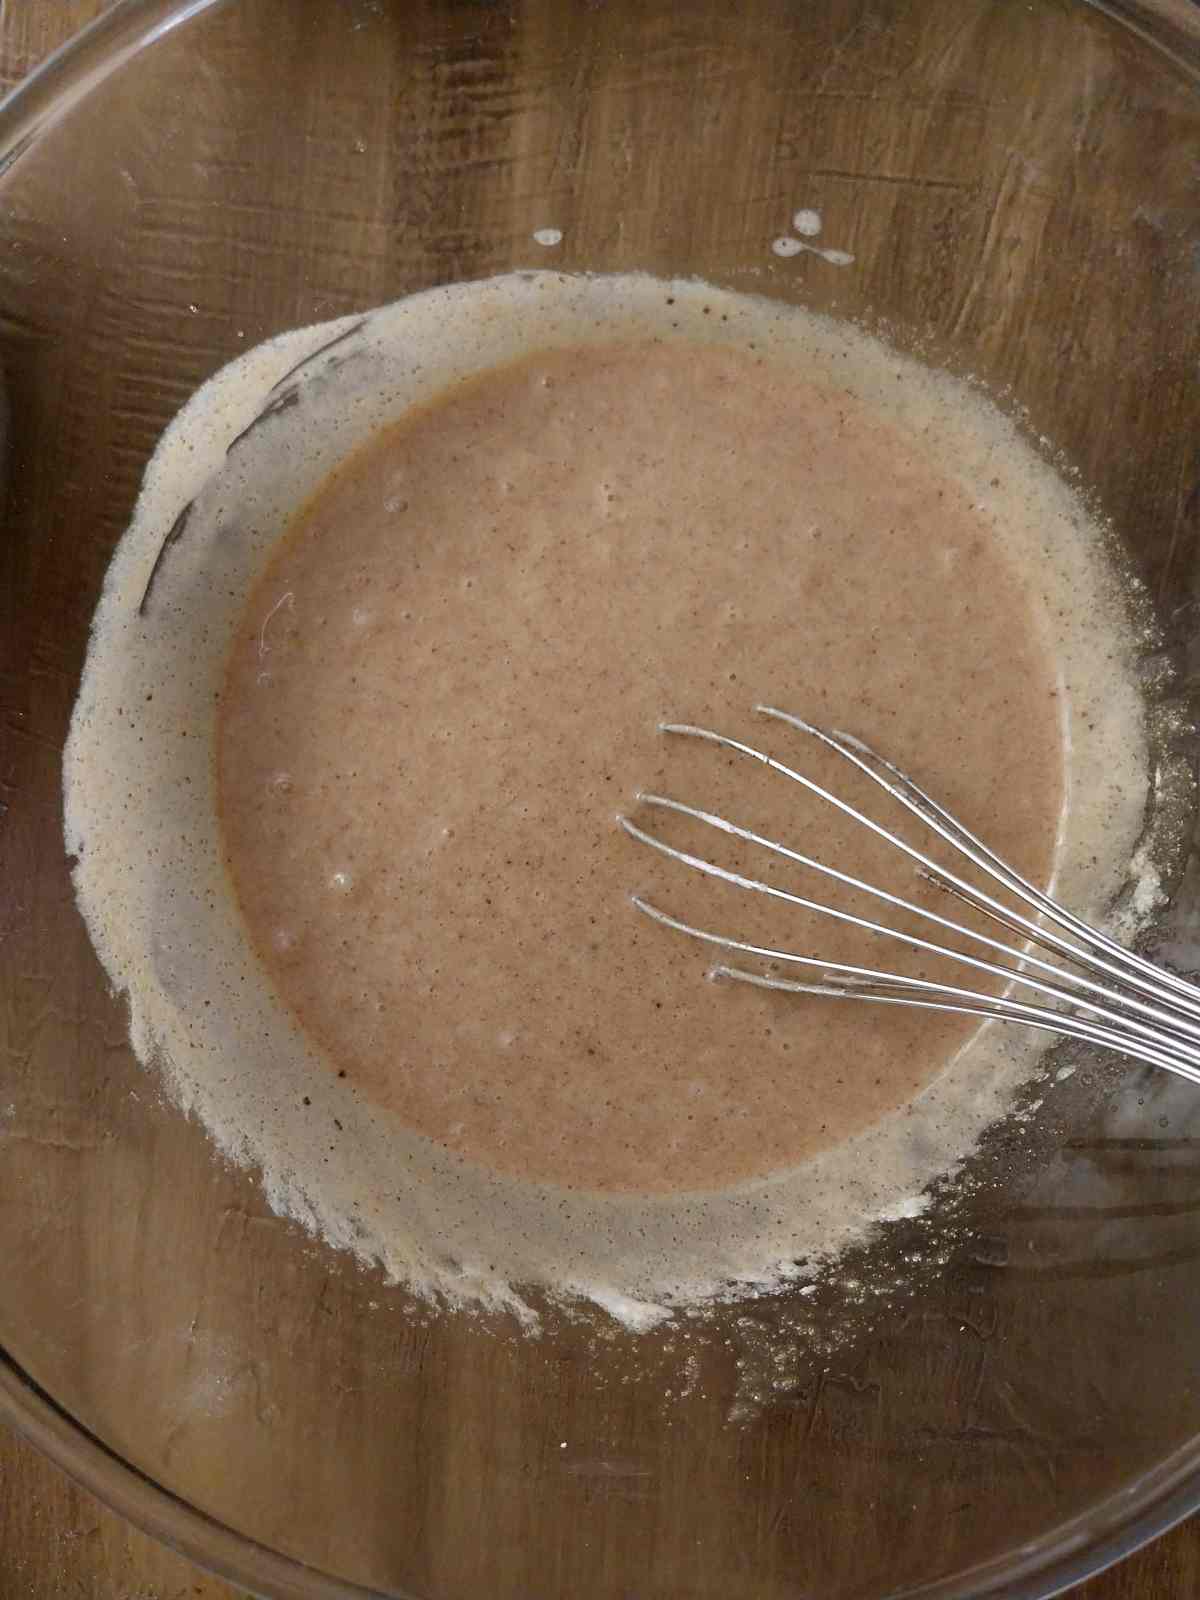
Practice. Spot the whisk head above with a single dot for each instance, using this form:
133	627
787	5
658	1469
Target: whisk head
1048	969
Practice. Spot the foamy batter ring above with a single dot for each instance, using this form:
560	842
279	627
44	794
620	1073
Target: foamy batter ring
140	812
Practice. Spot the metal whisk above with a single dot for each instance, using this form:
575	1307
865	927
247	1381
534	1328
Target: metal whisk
1094	989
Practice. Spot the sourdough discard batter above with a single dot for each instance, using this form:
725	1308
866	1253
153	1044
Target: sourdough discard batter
448	681
384	653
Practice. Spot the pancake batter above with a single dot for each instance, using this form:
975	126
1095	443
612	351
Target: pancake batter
447	683
383	654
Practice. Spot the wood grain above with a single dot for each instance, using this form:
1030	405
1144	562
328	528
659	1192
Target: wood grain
55	1540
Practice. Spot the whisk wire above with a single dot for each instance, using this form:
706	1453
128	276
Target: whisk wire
1140	1010
865	983
958	837
936	817
1018	975
1039	1017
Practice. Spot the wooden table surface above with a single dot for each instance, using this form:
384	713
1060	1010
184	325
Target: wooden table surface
55	1540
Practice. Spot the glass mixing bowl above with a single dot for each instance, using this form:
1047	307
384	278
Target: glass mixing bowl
997	1399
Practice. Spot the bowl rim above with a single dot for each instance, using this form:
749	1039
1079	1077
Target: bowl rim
1107	1532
